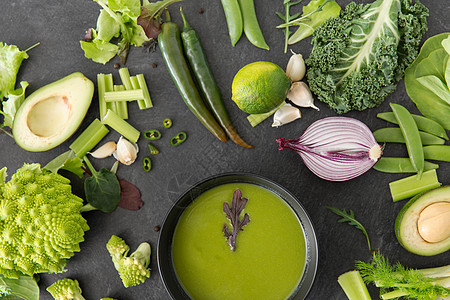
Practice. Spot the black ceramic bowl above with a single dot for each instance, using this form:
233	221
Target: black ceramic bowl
164	251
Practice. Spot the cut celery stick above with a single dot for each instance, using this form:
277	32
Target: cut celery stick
101	94
109	87
143	85
89	138
122	106
120	125
125	77
121	96
354	286
135	85
255	119
412	185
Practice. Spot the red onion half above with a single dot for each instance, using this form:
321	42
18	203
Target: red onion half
336	148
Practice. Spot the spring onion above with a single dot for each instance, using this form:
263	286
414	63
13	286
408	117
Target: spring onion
336	148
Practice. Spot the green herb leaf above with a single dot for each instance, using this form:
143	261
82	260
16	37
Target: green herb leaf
10	60
10	106
24	287
350	218
233	213
150	18
67	161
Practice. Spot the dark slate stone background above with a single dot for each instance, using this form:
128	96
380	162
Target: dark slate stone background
59	26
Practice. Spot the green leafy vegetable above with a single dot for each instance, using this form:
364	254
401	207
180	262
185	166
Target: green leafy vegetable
398	281
66	161
350	218
12	104
150	18
233	213
358	58
102	189
24	287
10	60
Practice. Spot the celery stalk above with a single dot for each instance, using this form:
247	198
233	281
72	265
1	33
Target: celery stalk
412	185
120	125
143	85
121	96
101	94
353	286
125	77
89	138
109	87
255	119
135	85
122	106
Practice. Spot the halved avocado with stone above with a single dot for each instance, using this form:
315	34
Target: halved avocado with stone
50	115
423	225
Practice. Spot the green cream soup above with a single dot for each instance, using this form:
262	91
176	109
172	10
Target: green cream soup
270	253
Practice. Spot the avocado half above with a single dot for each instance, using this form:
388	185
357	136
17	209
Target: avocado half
406	224
51	114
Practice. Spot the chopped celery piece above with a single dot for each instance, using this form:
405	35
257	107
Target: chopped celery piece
122	106
354	286
101	94
120	125
120	96
109	87
143	85
255	119
135	85
90	137
412	185
125	77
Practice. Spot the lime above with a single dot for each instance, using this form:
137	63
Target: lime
260	87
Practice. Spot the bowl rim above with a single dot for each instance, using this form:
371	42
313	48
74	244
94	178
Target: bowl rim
311	261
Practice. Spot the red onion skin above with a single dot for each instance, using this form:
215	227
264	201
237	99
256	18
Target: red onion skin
335	148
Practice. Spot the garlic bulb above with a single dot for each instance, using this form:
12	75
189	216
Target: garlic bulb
296	68
126	151
105	150
286	114
301	95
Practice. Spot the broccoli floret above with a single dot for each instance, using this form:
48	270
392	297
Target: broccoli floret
40	222
66	289
133	269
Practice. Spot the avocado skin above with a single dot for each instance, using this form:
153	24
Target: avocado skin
423	248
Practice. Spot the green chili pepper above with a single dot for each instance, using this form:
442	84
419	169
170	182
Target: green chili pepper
178	139
438	152
146	164
400	165
234	20
205	79
251	26
395	135
169	42
152	134
167	123
411	135
152	149
424	124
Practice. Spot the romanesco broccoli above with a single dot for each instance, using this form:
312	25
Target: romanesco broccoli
133	269
66	289
40	222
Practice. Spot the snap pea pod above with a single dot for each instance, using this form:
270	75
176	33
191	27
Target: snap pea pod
169	41
395	135
437	152
251	26
400	165
423	123
412	137
234	20
205	79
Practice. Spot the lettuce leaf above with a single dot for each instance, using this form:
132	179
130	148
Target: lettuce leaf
10	60
10	106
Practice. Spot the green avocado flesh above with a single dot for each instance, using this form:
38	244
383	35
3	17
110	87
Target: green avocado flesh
50	115
406	228
270	251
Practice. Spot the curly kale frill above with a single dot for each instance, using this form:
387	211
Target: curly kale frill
40	222
358	58
66	289
133	269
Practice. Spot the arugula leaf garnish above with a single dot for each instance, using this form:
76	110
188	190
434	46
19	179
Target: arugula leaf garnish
233	213
350	218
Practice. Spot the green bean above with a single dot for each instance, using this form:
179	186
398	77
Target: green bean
234	20
412	137
440	152
423	123
395	135
251	26
400	165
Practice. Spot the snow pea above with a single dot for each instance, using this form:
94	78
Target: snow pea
169	41
400	165
205	79
234	20
437	152
412	137
395	135
251	26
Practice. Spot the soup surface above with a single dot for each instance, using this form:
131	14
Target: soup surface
270	253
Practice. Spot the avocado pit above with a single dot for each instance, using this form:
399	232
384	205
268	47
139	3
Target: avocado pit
49	116
433	222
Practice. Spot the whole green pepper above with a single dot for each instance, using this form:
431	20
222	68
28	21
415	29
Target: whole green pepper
199	65
170	45
234	20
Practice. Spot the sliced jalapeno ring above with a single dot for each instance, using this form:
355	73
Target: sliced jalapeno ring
178	139
167	123
152	134
146	164
152	149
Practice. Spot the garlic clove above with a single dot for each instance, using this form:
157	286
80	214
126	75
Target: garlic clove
286	114
296	68
105	150
126	151
301	95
